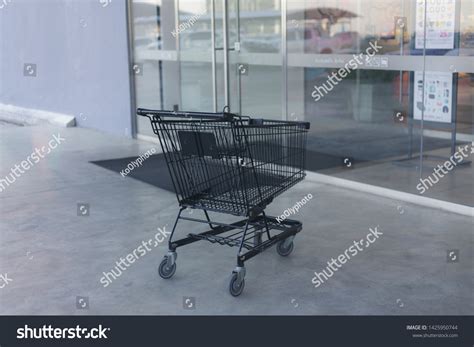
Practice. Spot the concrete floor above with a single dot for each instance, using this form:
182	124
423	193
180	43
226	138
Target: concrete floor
52	255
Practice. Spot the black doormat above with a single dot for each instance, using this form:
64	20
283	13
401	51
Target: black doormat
155	172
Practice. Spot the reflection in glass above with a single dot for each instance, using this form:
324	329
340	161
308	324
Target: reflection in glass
369	116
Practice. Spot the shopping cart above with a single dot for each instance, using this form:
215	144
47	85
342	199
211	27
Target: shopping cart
237	165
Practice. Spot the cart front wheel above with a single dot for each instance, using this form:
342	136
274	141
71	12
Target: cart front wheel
284	250
166	271
235	287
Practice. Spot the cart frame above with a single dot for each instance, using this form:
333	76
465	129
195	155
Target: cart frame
257	231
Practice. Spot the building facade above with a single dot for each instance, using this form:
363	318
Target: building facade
388	86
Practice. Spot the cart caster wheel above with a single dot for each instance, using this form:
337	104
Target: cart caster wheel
166	271
236	288
284	251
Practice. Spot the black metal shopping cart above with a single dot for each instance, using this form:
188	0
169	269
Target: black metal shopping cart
223	162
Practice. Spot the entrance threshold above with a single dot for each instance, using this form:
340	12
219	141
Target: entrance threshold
393	194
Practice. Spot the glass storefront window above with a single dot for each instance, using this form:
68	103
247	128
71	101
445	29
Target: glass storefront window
388	121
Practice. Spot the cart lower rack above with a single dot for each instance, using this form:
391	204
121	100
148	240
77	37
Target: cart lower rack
236	165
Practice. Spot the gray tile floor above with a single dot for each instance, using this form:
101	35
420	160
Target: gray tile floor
52	255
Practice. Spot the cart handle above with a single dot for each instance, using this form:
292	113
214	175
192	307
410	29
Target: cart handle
263	122
180	114
208	115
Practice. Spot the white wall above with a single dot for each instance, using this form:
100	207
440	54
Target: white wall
80	48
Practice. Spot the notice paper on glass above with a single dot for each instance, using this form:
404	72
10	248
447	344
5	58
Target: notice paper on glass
440	26
438	96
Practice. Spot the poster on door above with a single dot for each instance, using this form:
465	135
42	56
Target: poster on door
438	96
440	26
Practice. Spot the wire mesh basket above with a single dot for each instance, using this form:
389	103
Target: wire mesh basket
226	163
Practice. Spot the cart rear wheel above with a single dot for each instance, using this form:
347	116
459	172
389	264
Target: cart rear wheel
166	271
284	251
236	288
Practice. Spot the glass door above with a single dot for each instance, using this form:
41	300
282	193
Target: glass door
255	61
231	55
194	30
